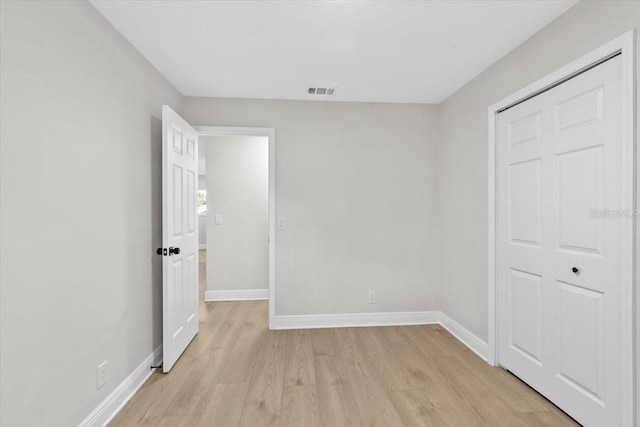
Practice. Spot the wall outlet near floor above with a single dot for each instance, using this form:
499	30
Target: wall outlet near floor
102	374
372	297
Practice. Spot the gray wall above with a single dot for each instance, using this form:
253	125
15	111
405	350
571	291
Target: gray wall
80	172
356	183
238	189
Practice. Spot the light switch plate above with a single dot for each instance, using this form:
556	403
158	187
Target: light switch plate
282	224
218	219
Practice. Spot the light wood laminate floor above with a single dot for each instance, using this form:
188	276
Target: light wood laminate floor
236	372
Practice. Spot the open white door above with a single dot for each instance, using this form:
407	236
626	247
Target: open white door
179	236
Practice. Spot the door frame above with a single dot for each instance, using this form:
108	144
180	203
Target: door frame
625	45
270	133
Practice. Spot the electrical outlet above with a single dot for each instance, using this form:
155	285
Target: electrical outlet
372	297
102	374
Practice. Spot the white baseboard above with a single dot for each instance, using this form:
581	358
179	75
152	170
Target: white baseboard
315	321
238	295
123	392
355	320
463	335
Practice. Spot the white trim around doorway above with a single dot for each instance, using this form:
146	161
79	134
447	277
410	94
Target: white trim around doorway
270	133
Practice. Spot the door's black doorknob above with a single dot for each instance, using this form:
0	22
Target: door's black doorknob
173	251
575	270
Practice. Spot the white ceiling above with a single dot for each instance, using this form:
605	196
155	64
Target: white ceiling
383	51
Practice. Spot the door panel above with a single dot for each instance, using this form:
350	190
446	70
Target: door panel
525	205
559	261
179	231
177	293
176	193
191	203
520	219
580	110
580	191
580	339
525	130
526	304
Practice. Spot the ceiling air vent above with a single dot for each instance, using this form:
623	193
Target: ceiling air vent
320	91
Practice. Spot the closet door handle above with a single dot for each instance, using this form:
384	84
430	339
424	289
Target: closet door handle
576	271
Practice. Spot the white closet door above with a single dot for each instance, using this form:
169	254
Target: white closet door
560	243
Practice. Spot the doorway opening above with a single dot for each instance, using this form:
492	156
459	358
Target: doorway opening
236	215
